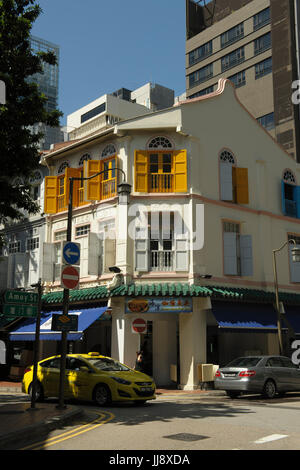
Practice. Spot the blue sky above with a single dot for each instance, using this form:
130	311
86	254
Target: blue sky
106	45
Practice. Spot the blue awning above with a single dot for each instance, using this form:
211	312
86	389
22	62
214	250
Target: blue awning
245	315
292	313
26	331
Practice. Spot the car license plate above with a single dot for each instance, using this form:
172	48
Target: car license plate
229	375
146	389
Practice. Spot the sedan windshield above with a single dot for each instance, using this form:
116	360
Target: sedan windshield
244	362
107	364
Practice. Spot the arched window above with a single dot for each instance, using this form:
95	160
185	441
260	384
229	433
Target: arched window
289	177
108	151
84	158
160	142
227	157
62	167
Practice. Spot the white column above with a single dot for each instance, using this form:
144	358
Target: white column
192	340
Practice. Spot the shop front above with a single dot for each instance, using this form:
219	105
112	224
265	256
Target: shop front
170	330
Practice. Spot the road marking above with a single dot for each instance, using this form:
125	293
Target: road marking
272	437
101	419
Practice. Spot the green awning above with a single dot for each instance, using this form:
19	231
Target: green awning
171	289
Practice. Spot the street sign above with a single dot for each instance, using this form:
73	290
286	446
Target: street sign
139	325
71	253
20	310
70	277
64	322
20	297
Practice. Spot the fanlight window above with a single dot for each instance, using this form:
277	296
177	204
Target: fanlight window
62	167
84	158
160	142
108	151
227	157
289	177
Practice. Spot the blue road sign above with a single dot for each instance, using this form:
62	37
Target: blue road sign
71	253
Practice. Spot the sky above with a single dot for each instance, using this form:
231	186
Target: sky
110	44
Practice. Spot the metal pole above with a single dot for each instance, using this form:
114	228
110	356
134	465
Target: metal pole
66	297
36	345
277	303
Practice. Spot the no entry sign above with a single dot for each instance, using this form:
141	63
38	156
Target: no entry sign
70	277
139	325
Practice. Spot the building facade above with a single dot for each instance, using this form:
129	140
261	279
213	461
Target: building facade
254	43
211	198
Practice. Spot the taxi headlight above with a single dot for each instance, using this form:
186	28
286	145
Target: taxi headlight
121	381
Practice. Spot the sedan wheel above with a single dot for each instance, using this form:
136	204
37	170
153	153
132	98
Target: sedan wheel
39	394
102	395
269	389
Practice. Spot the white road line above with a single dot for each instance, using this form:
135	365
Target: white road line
272	437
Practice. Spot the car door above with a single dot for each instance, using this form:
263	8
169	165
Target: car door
294	373
50	373
275	369
78	378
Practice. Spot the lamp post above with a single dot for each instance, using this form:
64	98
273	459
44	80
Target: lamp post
124	190
296	258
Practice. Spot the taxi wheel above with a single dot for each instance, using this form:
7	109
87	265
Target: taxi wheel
102	395
39	392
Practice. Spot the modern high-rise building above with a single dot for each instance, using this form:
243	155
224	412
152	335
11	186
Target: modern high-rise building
48	83
254	43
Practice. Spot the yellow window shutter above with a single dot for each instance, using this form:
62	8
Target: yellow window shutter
141	171
240	182
50	203
180	171
71	173
93	186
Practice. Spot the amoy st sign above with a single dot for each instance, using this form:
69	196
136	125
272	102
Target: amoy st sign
20	303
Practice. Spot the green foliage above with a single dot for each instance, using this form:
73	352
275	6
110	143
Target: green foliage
25	106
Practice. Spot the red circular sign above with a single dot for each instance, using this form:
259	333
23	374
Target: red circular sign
70	277
139	325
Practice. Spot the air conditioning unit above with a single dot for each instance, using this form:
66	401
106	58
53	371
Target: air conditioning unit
206	372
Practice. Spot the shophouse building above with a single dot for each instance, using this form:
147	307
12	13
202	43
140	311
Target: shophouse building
212	194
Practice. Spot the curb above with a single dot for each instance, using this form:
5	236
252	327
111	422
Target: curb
47	425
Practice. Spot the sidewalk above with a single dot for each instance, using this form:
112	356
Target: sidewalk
17	417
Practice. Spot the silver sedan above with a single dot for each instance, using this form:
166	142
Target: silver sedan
267	375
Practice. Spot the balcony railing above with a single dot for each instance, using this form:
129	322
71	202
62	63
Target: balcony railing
61	203
161	260
108	188
161	183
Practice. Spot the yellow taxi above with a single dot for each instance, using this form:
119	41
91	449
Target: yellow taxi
90	377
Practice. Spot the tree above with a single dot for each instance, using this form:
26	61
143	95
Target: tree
24	107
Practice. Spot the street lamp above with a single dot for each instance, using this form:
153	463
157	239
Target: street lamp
295	258
124	190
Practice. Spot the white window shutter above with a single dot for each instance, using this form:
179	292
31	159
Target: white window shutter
48	261
142	250
226	181
294	266
84	256
93	253
10	270
3	272
246	255
21	269
109	253
230	253
181	254
33	266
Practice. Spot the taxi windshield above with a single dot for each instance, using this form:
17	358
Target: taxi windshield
105	363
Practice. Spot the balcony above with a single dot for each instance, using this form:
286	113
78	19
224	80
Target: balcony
161	183
161	261
108	188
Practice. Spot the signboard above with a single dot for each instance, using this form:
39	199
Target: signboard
64	322
20	310
71	253
20	297
70	277
139	325
159	305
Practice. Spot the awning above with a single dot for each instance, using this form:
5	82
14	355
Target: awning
292	313
244	315
26	331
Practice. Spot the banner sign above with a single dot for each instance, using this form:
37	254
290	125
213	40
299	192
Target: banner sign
159	305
